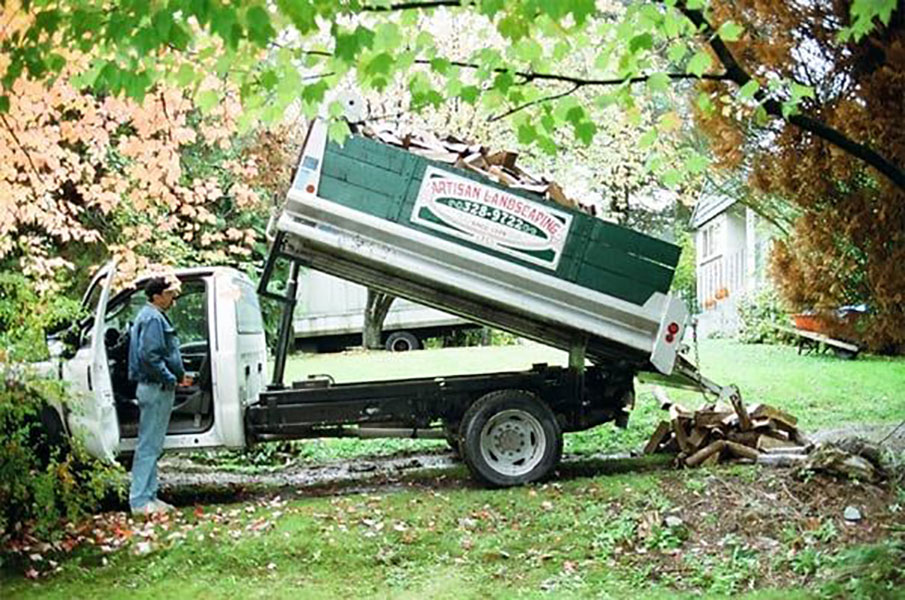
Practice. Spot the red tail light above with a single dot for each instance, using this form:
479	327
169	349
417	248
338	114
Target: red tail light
673	328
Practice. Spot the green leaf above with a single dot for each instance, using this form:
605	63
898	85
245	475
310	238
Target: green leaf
503	81
338	131
789	109
677	52
469	93
4	104
581	10
269	79
526	134
730	31
800	91
658	82
548	122
761	117
671	178
513	27
575	115
648	138
314	94
644	41
381	64
699	63
440	65
206	100
547	145
350	45
260	31
696	163
335	109
585	132
704	103
863	13
528	50
748	90
387	37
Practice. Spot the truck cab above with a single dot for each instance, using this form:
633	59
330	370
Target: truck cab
218	320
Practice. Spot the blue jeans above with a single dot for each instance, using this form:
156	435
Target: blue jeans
156	404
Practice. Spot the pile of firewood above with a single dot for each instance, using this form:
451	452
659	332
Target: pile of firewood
760	433
497	166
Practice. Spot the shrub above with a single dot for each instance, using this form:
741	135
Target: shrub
44	478
759	312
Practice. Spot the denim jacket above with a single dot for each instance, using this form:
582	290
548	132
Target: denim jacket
154	355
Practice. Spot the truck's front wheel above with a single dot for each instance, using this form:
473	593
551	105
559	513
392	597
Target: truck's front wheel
510	437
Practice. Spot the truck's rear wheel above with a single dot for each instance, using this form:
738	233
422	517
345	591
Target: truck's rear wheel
510	437
402	341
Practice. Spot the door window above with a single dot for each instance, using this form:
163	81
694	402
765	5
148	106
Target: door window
248	311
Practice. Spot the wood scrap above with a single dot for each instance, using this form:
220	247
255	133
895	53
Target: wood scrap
663	430
499	166
719	432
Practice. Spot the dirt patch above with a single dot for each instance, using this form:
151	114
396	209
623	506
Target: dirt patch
756	527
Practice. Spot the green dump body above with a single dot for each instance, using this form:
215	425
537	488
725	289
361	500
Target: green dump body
436	198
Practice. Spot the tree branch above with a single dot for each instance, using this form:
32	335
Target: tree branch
740	77
412	5
21	147
494	118
532	76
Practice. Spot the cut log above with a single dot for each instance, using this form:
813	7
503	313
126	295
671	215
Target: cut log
771	412
742	451
699	456
711	460
678	428
709	418
744	420
748	438
768	442
661	396
659	436
503	158
788	450
697	438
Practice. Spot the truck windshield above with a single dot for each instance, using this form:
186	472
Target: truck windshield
248	311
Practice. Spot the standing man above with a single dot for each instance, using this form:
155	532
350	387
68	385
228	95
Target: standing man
155	363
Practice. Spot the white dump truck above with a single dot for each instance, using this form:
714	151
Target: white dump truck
449	239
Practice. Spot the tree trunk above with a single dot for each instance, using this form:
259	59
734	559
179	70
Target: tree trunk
375	312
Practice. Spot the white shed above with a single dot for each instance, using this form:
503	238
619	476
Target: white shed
729	262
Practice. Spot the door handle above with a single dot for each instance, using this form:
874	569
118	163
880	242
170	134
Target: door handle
89	378
260	367
247	371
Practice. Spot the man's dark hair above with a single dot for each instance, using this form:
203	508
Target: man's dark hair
154	286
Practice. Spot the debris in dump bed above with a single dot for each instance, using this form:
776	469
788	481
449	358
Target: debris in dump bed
719	431
498	166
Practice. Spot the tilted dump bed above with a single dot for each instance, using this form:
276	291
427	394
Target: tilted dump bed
452	239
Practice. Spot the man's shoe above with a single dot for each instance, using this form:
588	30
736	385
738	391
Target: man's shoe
162	506
148	510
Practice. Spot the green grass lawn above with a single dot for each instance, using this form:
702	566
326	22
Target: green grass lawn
597	531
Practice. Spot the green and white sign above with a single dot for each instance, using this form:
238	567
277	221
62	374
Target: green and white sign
490	217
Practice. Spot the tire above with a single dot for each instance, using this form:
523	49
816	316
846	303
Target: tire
402	341
510	437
